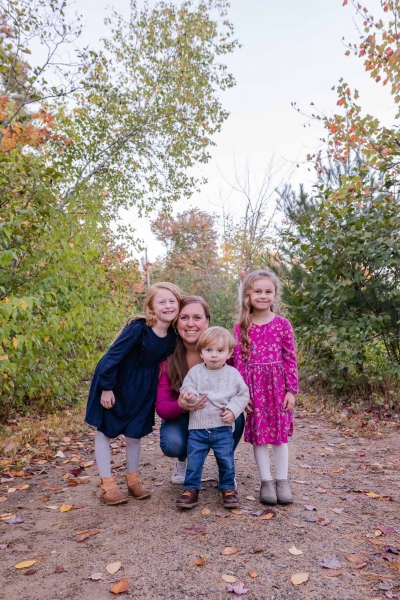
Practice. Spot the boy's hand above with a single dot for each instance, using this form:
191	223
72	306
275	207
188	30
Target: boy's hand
289	401
185	405
190	397
227	416
107	399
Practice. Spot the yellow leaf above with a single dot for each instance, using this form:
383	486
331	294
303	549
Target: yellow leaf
46	338
5	341
15	342
113	567
236	511
65	507
372	495
206	511
253	573
298	578
229	578
25	564
88	464
295	551
4	357
199	562
267	516
229	550
23	304
24	487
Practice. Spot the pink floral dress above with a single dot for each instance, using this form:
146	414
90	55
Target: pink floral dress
269	372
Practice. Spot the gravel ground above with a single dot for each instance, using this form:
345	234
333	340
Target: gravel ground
350	483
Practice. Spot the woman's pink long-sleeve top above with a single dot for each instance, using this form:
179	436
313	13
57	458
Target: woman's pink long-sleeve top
167	406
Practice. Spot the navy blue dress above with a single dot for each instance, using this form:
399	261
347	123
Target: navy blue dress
130	369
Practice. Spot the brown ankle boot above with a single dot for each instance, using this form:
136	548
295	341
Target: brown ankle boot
110	494
135	486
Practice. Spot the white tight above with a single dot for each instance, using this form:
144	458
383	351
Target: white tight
103	459
281	459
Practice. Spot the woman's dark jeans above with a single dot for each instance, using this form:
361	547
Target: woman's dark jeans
174	435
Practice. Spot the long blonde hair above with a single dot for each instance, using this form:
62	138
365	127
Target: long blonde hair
246	308
151	291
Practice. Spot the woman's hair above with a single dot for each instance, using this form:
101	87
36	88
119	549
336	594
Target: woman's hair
151	291
215	335
177	363
246	308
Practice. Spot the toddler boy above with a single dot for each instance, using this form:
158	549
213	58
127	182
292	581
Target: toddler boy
211	427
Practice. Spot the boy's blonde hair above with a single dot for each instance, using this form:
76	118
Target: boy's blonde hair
212	335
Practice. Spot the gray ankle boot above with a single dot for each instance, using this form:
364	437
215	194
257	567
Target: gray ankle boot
283	491
268	492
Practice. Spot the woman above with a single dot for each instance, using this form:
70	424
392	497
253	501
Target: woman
194	318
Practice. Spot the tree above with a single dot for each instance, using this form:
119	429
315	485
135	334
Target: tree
138	114
342	241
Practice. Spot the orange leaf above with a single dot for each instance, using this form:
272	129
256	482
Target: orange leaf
253	573
121	586
229	550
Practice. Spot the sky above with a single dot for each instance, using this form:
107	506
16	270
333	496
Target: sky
291	52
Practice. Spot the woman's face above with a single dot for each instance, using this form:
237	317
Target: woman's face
192	321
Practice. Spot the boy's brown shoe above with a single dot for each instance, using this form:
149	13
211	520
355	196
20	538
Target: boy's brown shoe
188	499
230	499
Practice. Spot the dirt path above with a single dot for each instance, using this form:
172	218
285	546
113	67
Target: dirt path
331	470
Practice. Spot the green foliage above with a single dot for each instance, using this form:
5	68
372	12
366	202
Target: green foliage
145	111
343	275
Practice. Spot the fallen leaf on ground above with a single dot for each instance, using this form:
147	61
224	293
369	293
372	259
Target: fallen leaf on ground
229	578
333	573
310	507
238	589
268	516
121	586
52	507
199	562
236	511
321	490
59	569
65	507
250	498
256	550
14	521
338	511
113	567
96	576
252	573
25	564
60	454
295	551
206	511
298	481
194	529
83	537
355	558
305	466
30	572
372	495
3	499
330	563
298	578
229	550
322	521
387	529
360	565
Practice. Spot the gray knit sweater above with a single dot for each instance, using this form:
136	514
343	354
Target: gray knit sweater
223	387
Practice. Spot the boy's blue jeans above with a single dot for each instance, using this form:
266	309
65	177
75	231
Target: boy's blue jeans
174	435
200	442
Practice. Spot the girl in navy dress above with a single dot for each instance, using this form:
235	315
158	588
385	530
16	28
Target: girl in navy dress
123	391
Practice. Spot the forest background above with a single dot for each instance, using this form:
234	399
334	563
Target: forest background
84	139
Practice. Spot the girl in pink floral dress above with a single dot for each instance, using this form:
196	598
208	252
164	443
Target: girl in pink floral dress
266	358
